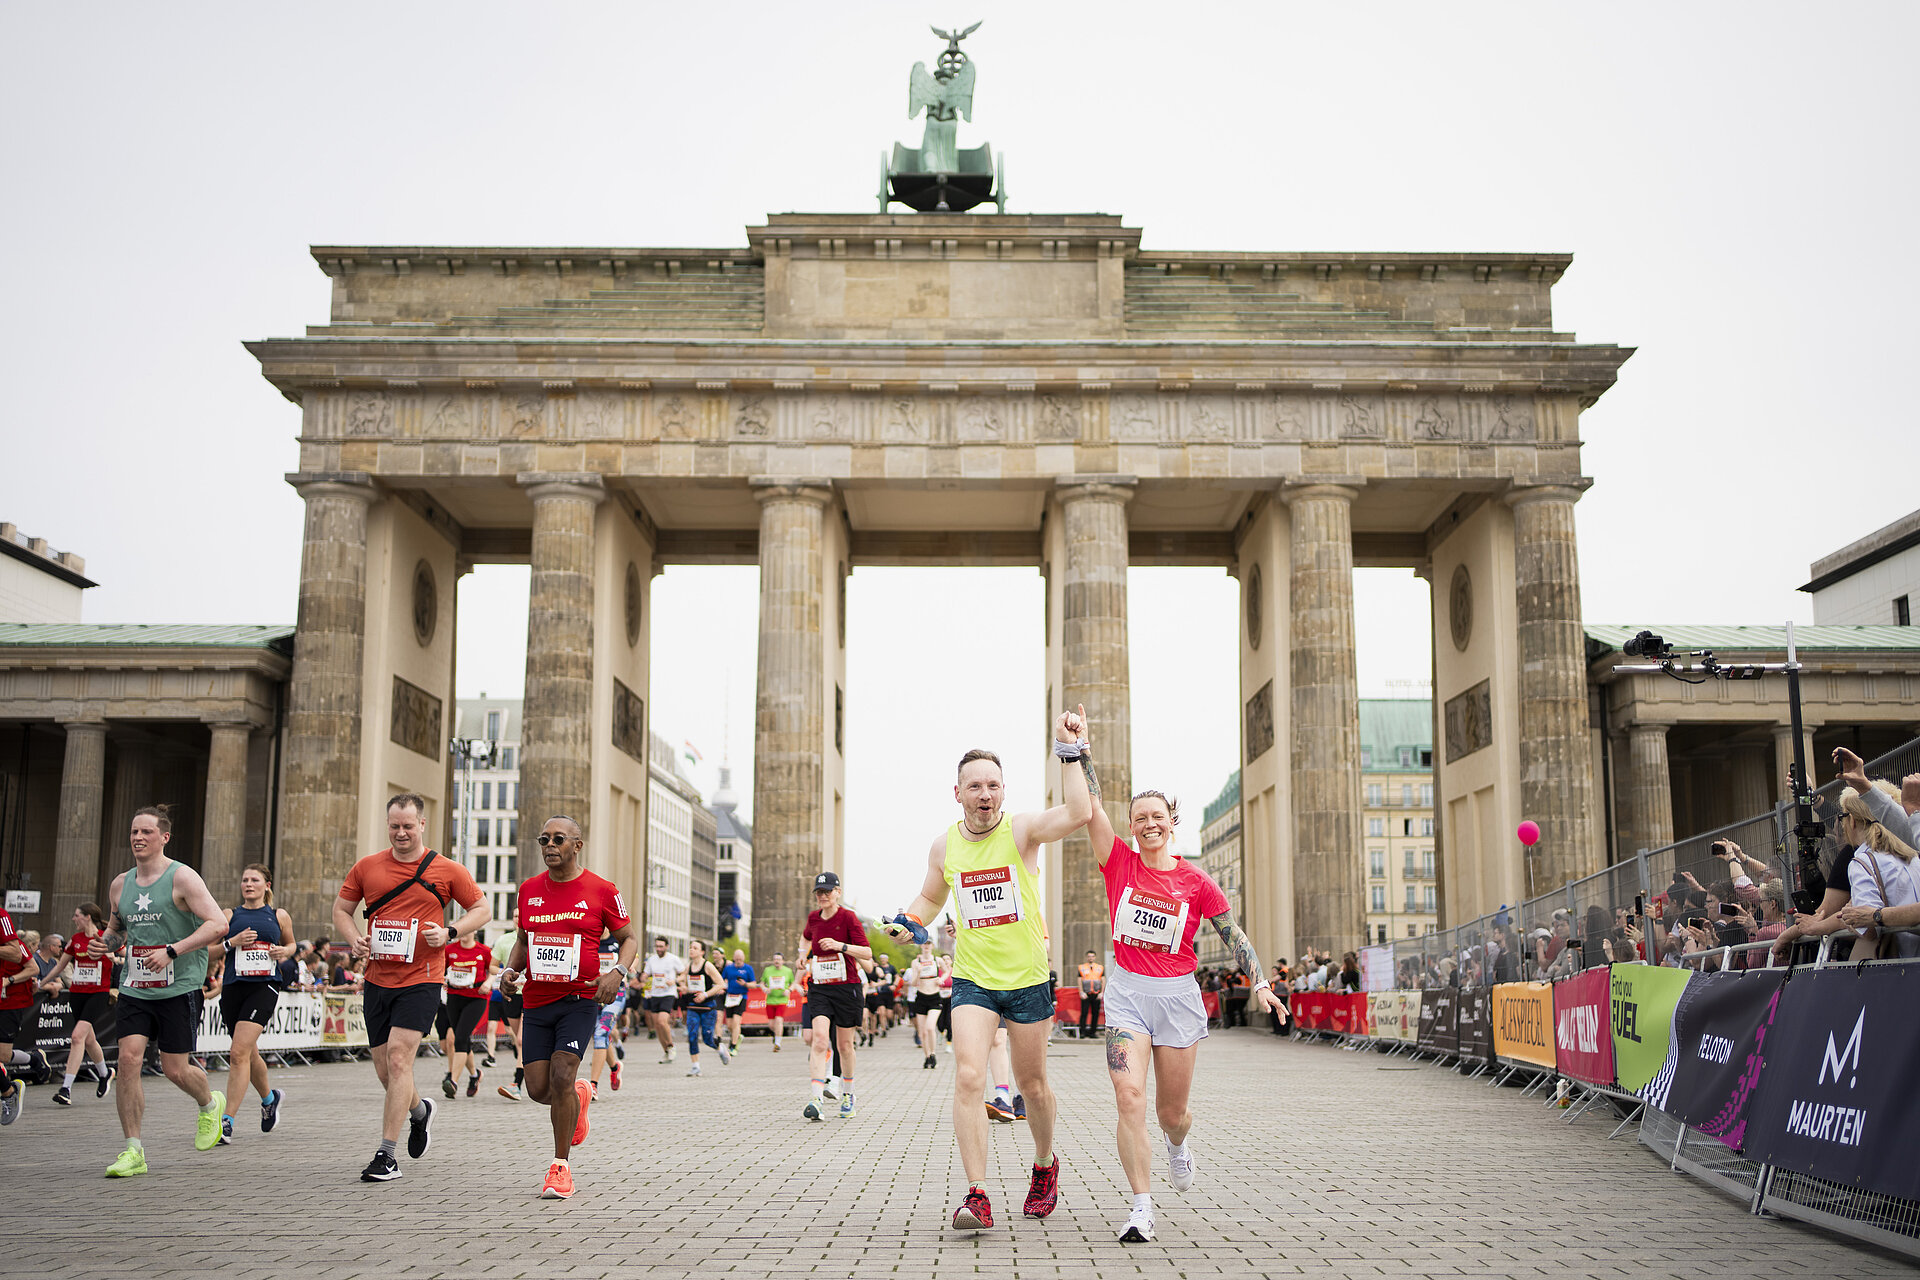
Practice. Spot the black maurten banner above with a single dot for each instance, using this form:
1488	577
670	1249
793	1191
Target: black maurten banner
1722	1035
1837	1099
1475	1020
1437	1031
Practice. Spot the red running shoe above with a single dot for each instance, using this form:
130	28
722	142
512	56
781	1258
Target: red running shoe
585	1090
614	1068
974	1212
1044	1191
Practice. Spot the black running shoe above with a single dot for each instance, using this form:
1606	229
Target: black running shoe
382	1168
419	1135
63	1098
270	1111
106	1081
487	1061
447	1086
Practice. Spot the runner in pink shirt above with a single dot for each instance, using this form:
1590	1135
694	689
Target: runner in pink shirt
1154	1015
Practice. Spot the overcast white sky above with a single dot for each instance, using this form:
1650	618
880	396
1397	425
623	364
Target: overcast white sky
1736	181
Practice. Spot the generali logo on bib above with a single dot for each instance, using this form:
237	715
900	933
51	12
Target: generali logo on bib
1839	1066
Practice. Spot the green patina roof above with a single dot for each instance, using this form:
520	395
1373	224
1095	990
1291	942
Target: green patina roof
1387	724
1228	798
1603	639
124	634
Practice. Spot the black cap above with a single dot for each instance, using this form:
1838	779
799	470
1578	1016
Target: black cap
824	881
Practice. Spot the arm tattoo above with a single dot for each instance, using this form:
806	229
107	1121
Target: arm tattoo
1093	782
1118	1038
1236	942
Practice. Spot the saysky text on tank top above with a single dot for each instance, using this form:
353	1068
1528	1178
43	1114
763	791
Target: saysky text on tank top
154	919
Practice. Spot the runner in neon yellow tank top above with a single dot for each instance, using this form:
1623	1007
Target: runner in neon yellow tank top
990	863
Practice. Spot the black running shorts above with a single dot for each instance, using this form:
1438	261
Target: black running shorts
408	1008
173	1023
839	1001
247	1002
460	1015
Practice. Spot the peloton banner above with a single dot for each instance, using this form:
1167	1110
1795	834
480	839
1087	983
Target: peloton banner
1837	1098
1721	1031
1376	968
1438	1031
1523	1022
1582	1047
1642	998
1475	1021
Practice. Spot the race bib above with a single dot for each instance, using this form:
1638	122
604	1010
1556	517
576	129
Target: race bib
254	961
463	975
733	1002
659	984
828	968
394	939
1149	921
987	898
89	973
555	957
143	975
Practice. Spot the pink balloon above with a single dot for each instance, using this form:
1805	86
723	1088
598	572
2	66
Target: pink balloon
1529	833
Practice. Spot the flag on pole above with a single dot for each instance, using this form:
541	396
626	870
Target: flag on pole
691	752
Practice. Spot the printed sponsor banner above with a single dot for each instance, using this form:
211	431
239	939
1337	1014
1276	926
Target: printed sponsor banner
1383	1014
1347	1012
1837	1097
1439	1032
1376	968
51	1021
298	1017
343	1020
1582	1044
1523	1022
1409	1015
1641	999
1720	1032
1475	1021
1311	1011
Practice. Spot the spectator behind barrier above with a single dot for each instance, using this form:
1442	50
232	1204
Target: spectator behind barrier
1883	872
47	954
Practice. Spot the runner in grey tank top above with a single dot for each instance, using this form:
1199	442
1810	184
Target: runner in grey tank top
165	917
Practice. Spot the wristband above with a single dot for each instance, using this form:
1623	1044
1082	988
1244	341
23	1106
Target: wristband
1067	751
171	953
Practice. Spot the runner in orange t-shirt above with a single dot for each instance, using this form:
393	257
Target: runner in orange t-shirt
406	889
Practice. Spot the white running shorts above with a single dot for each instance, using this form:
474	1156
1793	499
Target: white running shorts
1167	1010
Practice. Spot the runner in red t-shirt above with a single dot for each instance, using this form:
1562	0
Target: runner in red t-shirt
469	965
19	976
1154	1014
563	912
90	991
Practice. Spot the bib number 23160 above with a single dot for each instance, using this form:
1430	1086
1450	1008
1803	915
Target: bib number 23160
988	897
1149	921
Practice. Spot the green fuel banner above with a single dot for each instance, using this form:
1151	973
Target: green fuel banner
1643	1000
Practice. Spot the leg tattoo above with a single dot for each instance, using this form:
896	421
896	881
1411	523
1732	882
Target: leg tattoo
1118	1038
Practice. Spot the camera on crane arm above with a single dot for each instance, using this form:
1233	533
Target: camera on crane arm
1647	645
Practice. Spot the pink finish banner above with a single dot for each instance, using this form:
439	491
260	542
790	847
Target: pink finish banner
1582	1027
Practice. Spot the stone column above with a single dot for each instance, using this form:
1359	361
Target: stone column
1649	788
1749	789
320	809
1093	674
1327	881
1556	767
76	849
223	836
790	717
556	719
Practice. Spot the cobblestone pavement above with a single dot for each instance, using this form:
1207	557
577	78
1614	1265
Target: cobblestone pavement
1314	1162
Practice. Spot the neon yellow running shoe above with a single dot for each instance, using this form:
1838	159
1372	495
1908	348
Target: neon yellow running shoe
131	1164
207	1127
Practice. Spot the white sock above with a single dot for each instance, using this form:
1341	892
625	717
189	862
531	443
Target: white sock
1176	1151
1001	1095
66	1081
209	1109
1143	1201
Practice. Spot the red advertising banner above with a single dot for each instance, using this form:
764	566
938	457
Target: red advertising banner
1344	1012
1583	1027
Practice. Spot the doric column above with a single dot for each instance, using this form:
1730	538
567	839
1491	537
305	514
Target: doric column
320	811
1326	720
76	849
1749	782
223	835
790	716
1650	789
1783	755
1556	764
1093	673
556	719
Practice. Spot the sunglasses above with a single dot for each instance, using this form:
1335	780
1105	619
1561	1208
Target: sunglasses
545	839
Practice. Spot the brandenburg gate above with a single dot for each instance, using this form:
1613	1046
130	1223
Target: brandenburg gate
945	388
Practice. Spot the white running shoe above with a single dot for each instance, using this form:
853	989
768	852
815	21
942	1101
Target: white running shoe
1139	1229
832	1090
1180	1168
726	1055
694	1070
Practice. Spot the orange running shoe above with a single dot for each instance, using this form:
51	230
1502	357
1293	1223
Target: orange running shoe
585	1092
559	1183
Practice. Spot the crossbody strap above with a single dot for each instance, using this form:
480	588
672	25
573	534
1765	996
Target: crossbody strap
420	872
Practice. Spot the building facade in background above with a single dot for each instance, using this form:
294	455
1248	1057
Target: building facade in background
37	583
680	906
486	823
733	858
1220	857
1396	786
1874	582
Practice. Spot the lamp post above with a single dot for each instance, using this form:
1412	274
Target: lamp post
472	753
